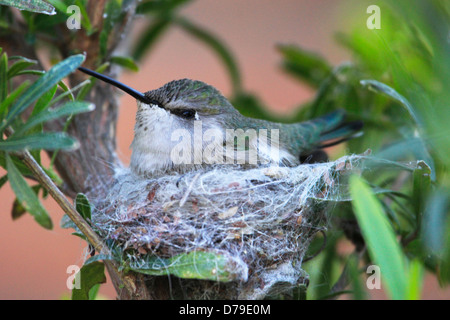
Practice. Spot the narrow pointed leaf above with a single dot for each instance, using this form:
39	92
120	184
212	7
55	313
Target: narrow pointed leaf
150	36
421	189
11	98
421	151
307	66
159	6
380	238
434	223
38	6
90	276
43	84
415	280
26	195
69	108
382	88
3	180
20	65
125	62
17	210
41	140
3	77
44	100
83	206
217	46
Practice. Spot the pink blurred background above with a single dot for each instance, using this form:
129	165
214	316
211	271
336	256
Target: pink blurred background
33	261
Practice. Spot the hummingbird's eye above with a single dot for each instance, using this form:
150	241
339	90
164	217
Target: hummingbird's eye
185	113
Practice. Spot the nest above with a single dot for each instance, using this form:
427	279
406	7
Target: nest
253	226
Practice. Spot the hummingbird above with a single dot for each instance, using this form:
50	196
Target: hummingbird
188	124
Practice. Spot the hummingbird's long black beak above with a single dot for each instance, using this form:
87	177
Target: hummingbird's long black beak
132	92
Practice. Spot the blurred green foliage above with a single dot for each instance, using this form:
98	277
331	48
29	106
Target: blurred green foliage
17	135
397	84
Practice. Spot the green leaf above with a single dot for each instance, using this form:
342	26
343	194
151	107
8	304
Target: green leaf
31	72
90	276
380	238
20	65
67	109
415	280
421	151
421	189
11	98
217	46
26	195
305	65
43	84
112	14
44	100
444	263
162	11
327	270
434	223
83	206
23	169
150	36
17	210
358	286
3	77
382	88
85	19
250	106
3	180
193	265
327	88
61	84
40	140
38	6
125	62
159	6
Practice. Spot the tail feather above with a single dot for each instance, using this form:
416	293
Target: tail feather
334	130
343	131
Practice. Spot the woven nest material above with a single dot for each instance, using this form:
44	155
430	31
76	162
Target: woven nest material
259	221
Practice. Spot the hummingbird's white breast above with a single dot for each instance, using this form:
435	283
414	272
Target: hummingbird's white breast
152	139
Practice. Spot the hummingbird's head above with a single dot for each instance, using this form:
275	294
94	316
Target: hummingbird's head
190	99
